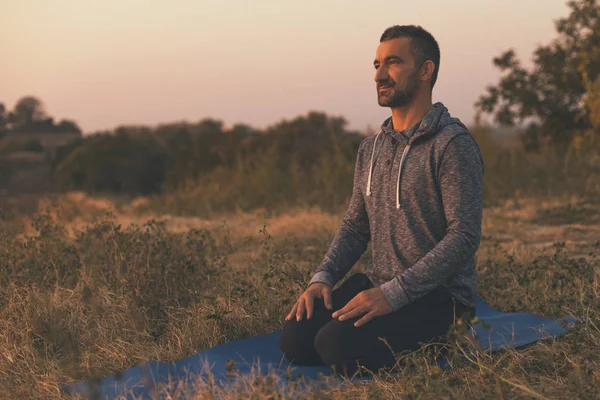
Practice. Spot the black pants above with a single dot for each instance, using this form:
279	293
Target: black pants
323	340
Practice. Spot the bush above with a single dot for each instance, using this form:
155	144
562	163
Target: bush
120	163
33	145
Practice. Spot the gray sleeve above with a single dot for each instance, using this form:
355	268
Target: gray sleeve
351	239
460	178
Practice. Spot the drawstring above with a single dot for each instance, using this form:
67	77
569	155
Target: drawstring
399	174
399	170
371	168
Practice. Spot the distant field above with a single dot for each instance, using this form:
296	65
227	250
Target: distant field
87	298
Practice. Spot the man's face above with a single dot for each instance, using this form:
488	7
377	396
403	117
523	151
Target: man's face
396	74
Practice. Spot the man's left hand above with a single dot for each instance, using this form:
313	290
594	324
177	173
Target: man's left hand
371	302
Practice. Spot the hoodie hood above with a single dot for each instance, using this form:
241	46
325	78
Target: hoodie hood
436	118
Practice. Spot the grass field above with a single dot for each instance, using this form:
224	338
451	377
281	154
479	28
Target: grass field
89	287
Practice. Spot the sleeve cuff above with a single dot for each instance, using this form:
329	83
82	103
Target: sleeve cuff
323	277
395	294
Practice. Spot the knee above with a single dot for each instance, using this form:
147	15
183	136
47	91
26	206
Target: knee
330	347
288	340
294	343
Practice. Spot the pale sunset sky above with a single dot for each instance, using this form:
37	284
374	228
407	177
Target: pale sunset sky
104	63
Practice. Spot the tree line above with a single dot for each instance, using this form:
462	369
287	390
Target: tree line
299	161
30	115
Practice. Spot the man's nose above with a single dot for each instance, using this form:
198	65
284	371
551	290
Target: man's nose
381	74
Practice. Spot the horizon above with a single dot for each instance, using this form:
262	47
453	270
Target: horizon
96	64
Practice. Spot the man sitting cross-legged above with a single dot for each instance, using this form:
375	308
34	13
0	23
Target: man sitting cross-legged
418	196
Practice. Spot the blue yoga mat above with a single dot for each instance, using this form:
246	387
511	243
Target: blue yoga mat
263	353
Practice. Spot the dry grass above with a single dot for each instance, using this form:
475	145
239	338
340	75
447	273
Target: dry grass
92	286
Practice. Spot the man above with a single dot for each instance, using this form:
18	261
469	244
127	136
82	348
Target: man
418	195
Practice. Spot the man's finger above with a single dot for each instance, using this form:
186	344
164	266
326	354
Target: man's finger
351	305
353	313
309	307
366	318
327	298
292	312
342	311
300	310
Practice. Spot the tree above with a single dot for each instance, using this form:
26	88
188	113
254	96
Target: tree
27	110
33	145
3	118
591	83
66	125
559	97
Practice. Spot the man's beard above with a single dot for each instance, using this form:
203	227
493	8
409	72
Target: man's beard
399	95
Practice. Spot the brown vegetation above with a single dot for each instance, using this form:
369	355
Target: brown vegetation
92	288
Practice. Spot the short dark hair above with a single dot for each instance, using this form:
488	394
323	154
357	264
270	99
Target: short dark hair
424	45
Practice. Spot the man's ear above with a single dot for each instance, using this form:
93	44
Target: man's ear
427	70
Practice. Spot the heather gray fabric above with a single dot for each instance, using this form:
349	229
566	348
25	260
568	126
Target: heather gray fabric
422	211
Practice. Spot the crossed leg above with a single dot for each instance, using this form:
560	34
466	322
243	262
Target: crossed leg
323	340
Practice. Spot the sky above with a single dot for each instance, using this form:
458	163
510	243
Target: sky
105	63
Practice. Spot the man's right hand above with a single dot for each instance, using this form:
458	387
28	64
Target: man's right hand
317	290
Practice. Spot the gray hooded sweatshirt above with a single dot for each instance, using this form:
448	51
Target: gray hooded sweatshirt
418	195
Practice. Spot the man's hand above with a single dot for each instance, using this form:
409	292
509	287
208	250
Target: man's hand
305	302
371	301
